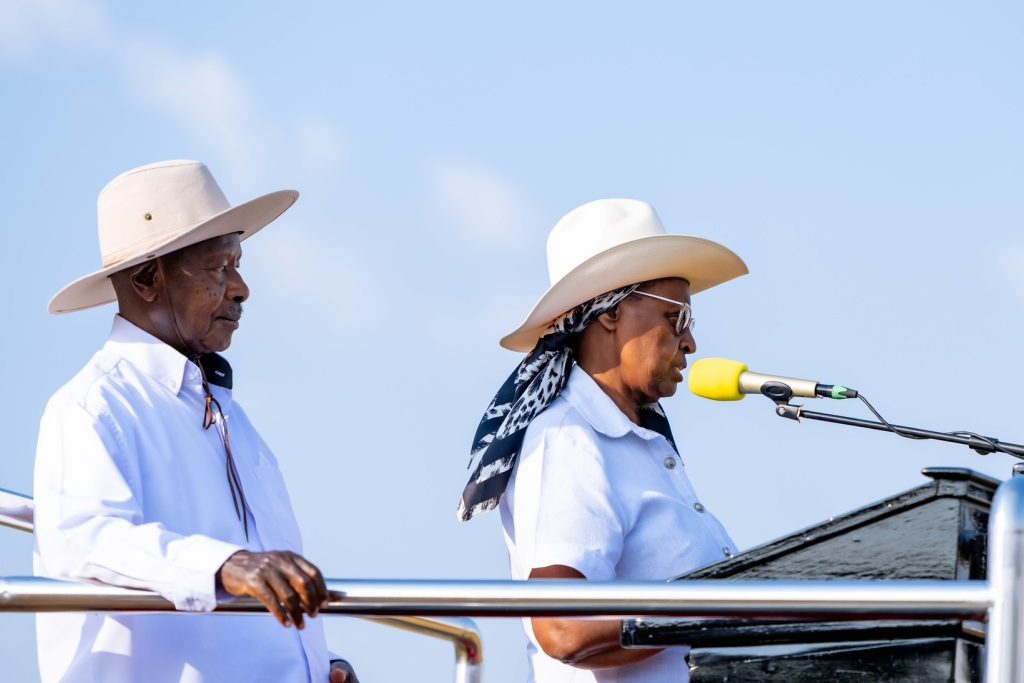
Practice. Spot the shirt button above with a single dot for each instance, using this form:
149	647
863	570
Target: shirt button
698	507
727	551
670	462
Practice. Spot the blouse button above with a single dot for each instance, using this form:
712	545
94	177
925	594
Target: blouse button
698	507
670	462
727	551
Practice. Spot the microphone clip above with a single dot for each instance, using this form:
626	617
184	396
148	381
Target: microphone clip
790	411
781	393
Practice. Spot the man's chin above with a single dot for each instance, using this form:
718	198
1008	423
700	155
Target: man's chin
216	344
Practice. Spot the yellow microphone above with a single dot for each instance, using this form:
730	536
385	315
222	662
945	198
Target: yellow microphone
729	380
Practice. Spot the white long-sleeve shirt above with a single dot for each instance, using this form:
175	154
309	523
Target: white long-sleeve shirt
131	490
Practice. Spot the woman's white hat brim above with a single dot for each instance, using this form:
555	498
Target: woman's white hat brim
703	263
245	219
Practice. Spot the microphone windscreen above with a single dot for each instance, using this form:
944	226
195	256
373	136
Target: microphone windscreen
717	379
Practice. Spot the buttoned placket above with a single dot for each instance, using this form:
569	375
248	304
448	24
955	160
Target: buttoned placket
672	463
600	413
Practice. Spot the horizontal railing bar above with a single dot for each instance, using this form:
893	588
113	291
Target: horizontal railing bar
704	598
16	510
836	600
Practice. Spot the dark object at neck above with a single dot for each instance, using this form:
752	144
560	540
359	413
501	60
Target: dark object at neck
215	367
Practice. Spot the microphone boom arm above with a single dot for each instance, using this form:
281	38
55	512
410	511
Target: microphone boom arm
781	395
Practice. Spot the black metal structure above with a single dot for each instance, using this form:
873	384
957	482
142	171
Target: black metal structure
936	531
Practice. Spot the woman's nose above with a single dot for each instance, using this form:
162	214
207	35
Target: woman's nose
687	343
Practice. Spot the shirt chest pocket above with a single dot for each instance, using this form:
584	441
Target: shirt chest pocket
272	509
671	536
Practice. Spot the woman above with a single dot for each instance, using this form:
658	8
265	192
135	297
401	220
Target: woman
575	449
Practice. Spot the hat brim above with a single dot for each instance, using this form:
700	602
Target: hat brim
703	263
245	219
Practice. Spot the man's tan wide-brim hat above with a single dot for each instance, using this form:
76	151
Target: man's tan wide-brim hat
611	243
156	209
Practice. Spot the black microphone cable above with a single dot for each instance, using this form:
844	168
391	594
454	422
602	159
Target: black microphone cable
994	445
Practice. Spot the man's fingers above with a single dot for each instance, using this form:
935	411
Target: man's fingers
286	595
266	595
301	583
338	676
287	584
318	580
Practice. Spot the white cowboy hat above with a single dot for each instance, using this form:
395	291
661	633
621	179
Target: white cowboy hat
611	243
156	209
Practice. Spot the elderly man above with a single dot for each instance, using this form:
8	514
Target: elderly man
149	475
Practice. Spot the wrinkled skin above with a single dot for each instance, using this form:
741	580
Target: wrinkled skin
207	292
633	352
190	299
287	584
653	355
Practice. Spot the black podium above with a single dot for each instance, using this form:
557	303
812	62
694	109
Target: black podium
936	531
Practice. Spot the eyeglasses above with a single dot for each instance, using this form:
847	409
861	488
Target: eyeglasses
684	321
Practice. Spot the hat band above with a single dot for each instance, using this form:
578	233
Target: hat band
145	248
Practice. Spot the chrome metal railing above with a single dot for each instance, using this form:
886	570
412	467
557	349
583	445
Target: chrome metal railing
17	511
999	600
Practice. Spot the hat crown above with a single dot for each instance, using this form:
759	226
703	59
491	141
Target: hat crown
596	227
148	206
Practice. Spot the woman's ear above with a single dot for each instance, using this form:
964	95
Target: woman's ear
609	320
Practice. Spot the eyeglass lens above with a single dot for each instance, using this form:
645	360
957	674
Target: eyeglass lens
684	321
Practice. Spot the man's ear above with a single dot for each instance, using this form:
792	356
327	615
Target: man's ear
145	279
609	320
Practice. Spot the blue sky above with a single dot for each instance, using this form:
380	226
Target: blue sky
865	159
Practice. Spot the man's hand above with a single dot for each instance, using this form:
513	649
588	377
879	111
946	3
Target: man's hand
287	584
342	672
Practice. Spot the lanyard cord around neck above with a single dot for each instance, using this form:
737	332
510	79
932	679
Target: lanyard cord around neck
209	418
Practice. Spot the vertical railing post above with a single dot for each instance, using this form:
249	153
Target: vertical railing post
467	667
1004	641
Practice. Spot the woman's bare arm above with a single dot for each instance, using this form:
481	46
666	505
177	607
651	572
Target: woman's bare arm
586	644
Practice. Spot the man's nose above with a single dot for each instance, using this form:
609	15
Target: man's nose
238	291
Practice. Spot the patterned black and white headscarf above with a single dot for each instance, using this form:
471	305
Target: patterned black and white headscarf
531	387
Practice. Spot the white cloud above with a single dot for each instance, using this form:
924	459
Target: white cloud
319	146
293	262
202	93
486	205
29	26
1010	264
206	96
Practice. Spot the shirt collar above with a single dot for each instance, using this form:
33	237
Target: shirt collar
160	361
598	408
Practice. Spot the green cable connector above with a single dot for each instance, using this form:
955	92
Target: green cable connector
839	391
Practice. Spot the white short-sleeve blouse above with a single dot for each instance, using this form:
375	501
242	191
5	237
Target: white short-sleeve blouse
596	492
